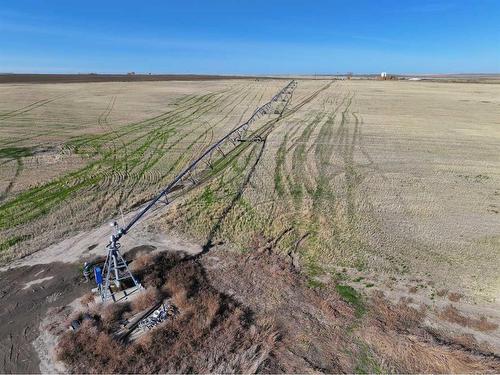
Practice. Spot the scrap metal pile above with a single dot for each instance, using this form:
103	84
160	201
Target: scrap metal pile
164	312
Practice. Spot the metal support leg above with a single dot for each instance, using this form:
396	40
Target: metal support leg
115	271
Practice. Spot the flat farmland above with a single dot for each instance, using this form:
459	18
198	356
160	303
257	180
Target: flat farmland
71	153
390	178
364	202
393	177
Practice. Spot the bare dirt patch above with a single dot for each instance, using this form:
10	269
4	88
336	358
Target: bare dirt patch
24	307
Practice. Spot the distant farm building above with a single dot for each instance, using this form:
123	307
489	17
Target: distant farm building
384	76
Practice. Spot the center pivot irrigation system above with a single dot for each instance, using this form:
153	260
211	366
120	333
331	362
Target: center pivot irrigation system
115	267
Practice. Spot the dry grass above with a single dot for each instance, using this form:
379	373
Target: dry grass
400	344
87	299
325	333
95	150
212	333
410	354
145	300
141	262
454	297
287	326
361	172
451	314
399	317
361	177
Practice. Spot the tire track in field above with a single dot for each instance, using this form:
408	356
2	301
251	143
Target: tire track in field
323	152
237	99
264	130
156	137
42	199
298	185
185	104
26	109
204	134
279	173
104	123
241	97
156	155
150	162
19	168
233	178
370	164
237	197
57	191
302	165
155	134
207	142
333	228
347	145
338	204
223	183
221	165
37	201
249	108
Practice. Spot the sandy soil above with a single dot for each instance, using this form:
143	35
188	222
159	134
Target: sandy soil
24	308
90	244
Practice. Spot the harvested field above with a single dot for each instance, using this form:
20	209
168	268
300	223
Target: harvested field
395	177
367	218
82	78
91	155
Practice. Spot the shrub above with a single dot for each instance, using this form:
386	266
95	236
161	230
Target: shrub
212	333
145	300
350	295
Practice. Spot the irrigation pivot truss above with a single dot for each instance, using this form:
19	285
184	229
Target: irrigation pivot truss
115	268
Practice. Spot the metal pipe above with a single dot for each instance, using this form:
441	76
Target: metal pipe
122	231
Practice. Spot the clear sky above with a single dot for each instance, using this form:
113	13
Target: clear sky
250	37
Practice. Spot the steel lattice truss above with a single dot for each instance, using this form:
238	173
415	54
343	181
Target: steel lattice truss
275	106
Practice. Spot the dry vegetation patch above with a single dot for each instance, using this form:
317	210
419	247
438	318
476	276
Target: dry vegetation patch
212	333
402	343
451	314
255	312
334	329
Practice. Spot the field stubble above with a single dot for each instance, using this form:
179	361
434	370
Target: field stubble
396	177
395	180
369	176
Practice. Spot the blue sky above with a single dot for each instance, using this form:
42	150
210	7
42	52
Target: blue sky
250	37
